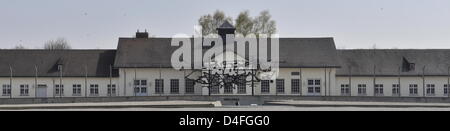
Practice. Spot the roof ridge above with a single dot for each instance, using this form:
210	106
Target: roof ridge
226	24
58	50
388	49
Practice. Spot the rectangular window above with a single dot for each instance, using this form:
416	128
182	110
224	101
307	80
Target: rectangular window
140	87
228	89
242	86
345	89
314	87
6	90
76	90
24	90
379	91
137	82
295	73
159	86
413	90
59	90
295	86
265	86
280	86
111	90
174	86
93	90
395	89
189	84
215	88
137	88
430	89
362	89
446	89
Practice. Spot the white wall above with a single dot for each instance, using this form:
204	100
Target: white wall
51	81
128	75
305	75
330	84
389	81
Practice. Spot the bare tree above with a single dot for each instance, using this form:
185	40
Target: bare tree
210	22
374	46
244	23
263	24
19	47
206	24
57	44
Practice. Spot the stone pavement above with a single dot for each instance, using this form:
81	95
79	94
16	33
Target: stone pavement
105	105
281	105
355	104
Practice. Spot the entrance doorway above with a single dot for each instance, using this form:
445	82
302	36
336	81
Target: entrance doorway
41	91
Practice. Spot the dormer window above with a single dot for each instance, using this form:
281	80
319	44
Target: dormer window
60	67
407	66
412	66
59	64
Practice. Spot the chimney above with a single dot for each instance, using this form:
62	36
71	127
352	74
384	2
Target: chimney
141	34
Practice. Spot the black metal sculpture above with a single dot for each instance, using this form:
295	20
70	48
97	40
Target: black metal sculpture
228	74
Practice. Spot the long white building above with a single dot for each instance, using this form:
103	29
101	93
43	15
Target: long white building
141	67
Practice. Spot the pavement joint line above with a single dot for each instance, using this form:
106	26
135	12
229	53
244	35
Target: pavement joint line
355	104
150	104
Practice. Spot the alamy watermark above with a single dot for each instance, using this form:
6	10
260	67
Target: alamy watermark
227	52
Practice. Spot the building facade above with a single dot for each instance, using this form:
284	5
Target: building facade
141	66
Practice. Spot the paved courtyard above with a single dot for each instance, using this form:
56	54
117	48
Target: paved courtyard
288	105
258	108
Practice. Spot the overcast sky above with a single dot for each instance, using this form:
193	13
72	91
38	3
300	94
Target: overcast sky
353	23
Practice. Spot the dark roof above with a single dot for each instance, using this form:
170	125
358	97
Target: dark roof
388	62
151	52
74	62
308	52
226	25
294	52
